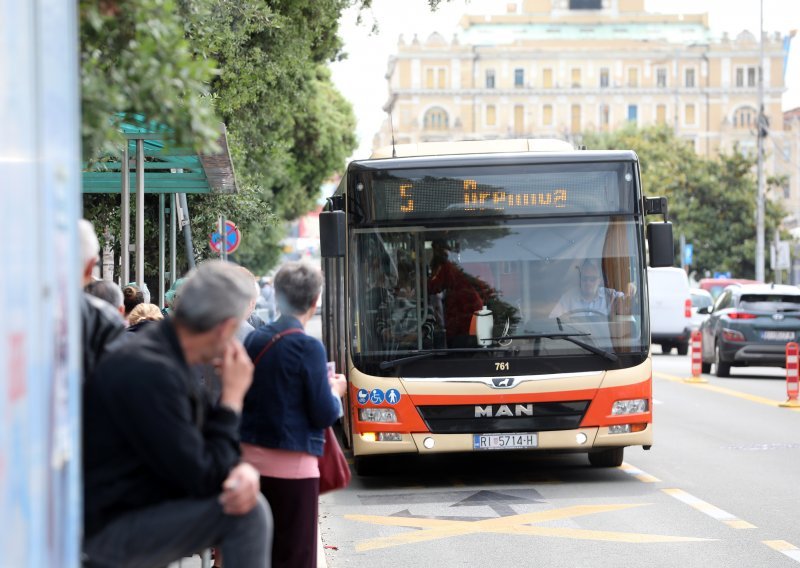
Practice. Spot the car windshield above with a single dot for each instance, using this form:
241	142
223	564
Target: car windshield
701	301
770	303
433	289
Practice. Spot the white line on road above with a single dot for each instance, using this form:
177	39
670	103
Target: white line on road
784	548
709	509
638	473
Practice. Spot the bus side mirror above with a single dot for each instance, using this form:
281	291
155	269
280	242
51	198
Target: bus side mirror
331	234
660	244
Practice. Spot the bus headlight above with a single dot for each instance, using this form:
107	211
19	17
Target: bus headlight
634	406
377	415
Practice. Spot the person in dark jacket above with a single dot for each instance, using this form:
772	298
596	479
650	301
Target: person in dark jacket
101	324
292	400
162	473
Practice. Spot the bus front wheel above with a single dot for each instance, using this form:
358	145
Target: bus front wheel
611	457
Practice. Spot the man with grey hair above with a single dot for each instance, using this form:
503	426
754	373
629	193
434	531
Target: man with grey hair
100	323
108	291
162	471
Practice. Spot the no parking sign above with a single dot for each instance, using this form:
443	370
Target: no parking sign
232	238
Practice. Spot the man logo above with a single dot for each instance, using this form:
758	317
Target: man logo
497	411
503	383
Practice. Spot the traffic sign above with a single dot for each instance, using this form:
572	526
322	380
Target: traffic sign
232	238
688	251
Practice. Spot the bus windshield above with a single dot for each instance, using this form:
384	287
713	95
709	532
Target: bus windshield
537	289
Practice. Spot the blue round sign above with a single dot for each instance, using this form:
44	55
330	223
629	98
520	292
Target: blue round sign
376	396
392	396
362	396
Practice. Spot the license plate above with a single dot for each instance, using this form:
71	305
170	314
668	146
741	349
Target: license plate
777	335
504	441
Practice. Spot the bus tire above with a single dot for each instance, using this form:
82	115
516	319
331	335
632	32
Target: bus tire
683	348
612	457
365	465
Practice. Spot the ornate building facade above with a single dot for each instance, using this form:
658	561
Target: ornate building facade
559	68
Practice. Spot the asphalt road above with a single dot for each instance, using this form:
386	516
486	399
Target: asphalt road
719	488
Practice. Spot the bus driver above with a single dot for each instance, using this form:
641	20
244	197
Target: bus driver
590	297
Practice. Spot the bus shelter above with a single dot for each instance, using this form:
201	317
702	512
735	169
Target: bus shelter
150	164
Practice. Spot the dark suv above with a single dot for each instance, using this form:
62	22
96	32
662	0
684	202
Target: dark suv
750	324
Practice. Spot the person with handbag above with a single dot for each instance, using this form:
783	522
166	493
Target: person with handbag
290	405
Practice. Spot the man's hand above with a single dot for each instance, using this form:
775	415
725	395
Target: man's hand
236	374
240	490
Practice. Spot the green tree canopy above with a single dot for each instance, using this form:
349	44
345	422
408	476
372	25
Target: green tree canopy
711	201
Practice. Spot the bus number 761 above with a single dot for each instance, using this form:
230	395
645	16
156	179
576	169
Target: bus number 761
501	366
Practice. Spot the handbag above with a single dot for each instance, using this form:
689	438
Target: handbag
334	472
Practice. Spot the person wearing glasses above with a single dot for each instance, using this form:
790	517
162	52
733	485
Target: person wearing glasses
590	298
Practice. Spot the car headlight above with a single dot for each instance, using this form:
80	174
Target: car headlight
377	415
634	406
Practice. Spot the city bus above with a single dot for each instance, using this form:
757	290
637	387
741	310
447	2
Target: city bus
492	295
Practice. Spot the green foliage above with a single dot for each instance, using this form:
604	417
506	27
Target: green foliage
711	201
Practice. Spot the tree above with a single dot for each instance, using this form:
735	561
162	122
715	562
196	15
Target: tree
711	201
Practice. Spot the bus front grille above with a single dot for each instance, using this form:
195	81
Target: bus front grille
511	417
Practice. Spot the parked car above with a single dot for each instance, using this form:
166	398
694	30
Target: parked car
700	299
750	324
716	285
670	309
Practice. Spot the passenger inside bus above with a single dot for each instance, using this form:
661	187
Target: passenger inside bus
399	316
590	298
459	295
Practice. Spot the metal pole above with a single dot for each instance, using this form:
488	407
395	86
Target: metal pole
173	244
139	245
760	127
161	251
125	213
187	230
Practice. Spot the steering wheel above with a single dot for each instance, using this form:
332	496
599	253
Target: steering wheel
585	313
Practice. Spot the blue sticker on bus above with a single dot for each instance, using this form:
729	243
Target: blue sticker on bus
376	396
363	396
392	396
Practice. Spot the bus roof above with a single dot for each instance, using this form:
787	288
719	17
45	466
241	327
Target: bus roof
473	147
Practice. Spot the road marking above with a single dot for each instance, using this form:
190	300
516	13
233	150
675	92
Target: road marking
638	473
723	390
709	509
434	529
785	548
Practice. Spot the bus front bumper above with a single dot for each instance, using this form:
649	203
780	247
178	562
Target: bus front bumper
578	440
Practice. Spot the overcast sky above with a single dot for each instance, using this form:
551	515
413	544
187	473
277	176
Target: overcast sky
361	76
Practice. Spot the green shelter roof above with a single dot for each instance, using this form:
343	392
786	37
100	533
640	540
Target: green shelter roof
168	169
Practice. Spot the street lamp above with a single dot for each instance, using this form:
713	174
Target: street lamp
761	130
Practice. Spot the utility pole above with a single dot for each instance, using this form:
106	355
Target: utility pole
761	129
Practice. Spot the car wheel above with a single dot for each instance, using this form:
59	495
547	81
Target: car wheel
722	369
683	349
611	457
666	348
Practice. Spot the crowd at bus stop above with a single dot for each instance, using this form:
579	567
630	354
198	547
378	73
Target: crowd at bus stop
202	423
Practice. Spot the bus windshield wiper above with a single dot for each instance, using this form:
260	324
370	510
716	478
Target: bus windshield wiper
419	355
567	336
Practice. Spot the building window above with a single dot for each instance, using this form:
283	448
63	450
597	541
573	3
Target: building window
490	78
547	78
661	77
689	114
576	119
519	77
661	114
576	78
745	118
442	79
436	119
491	115
519	119
585	4
435	78
688	78
604	78
547	115
746	76
633	112
429	78
605	117
633	77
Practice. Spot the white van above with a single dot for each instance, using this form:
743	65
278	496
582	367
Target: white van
670	309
